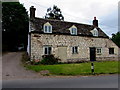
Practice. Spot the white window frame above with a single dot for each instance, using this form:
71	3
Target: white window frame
94	32
73	31
99	50
48	52
47	28
74	51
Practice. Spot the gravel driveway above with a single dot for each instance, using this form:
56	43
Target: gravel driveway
12	68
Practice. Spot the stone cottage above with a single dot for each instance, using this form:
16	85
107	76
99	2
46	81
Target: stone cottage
68	41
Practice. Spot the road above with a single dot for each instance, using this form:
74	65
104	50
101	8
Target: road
107	81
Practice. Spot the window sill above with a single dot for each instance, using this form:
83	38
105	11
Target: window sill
111	54
74	53
47	54
99	54
74	34
47	32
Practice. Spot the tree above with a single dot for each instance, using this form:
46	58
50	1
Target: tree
116	38
54	13
15	25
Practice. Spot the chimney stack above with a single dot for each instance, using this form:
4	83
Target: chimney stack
32	12
95	22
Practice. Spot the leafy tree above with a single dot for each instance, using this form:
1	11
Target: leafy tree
15	25
54	13
116	38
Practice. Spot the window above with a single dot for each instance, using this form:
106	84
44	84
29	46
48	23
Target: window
94	32
47	28
99	50
47	50
111	50
74	31
74	50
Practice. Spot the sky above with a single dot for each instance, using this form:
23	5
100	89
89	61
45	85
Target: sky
81	11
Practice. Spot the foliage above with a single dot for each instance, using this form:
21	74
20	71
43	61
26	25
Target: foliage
25	58
116	38
35	62
54	13
49	60
14	25
105	67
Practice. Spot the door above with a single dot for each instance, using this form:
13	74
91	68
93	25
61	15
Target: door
92	54
62	53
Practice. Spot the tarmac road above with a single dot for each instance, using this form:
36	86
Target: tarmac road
107	81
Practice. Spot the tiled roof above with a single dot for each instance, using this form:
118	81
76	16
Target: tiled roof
62	27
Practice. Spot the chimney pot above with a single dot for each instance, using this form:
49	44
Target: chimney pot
94	18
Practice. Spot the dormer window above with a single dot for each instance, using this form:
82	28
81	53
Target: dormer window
73	30
47	28
94	32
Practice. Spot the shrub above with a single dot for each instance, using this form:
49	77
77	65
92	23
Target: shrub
25	58
49	60
35	62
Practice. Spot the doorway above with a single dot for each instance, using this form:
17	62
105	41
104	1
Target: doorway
92	54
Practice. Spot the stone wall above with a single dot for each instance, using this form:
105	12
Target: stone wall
39	40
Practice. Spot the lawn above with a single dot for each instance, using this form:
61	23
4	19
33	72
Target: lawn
106	67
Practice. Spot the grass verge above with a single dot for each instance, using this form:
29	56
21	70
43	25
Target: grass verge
105	67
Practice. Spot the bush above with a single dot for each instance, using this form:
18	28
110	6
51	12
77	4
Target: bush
49	60
35	62
25	58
